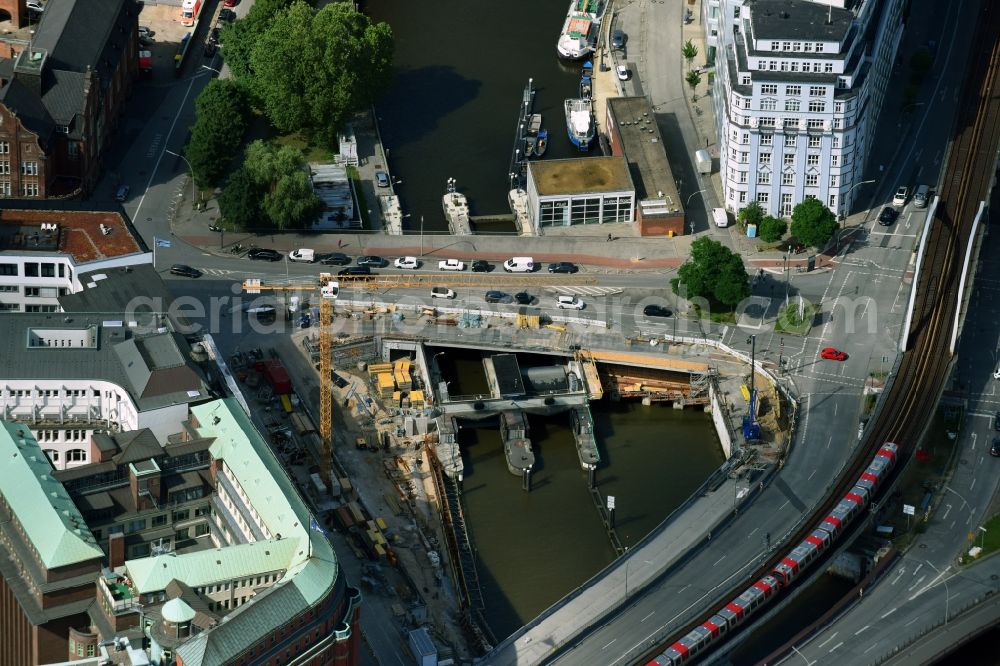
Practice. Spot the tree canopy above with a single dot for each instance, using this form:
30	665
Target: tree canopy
752	213
239	202
772	229
309	70
222	118
813	223
714	272
281	187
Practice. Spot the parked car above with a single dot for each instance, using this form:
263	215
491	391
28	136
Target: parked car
887	216
523	298
122	193
996	422
355	270
618	39
213	36
144	31
372	261
902	194
407	262
657	311
569	303
451	265
264	254
185	271
34	6
230	3
481	266
304	255
496	297
622	72
382	179
210	49
442	292
563	267
832	354
333	259
227	15
995	448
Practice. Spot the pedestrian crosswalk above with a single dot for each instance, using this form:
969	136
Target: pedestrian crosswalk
587	291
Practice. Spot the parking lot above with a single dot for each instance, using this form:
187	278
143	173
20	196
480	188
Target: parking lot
164	22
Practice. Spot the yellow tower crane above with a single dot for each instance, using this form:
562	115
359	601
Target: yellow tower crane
328	289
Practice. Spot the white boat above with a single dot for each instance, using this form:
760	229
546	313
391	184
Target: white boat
578	38
580	122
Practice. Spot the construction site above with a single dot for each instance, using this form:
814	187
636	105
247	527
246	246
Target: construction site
366	421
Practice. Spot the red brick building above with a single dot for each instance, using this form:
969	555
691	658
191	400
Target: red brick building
61	97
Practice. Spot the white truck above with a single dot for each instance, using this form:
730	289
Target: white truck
720	217
703	161
305	255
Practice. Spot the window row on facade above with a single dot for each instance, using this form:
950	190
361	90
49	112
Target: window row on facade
587	210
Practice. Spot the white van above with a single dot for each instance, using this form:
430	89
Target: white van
921	196
304	255
720	217
519	265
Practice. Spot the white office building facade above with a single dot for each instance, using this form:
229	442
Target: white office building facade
798	90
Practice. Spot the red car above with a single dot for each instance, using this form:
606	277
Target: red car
831	354
230	3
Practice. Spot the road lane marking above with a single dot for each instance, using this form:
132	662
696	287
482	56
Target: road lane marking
811	475
973	484
609	644
836	646
919	581
684	588
918	568
901	572
874	645
832	636
718	561
754	532
887	614
912	621
862	630
946	512
651	614
784	505
973	438
829	441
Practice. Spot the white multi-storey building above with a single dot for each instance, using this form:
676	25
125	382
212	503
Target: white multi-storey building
67	377
798	90
49	252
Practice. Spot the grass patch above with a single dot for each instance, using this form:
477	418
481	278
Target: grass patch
355	176
990	541
312	153
870	400
716	315
789	321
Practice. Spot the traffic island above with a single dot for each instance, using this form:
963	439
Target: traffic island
795	318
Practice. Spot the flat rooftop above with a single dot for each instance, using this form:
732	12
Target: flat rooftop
804	20
582	175
87	236
645	153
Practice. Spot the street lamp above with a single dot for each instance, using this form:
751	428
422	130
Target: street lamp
982	537
752	341
170	152
421	236
687	203
784	269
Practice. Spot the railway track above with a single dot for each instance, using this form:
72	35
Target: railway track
923	370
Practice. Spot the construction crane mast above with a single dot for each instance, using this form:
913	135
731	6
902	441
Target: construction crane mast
328	289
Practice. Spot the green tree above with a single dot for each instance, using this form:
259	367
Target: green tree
222	118
286	195
714	272
311	70
752	213
693	78
240	202
771	229
240	37
812	223
689	51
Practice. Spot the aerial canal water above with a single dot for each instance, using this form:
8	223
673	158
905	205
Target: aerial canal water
461	67
535	547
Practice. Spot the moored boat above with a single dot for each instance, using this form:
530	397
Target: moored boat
580	122
586	80
542	142
578	38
